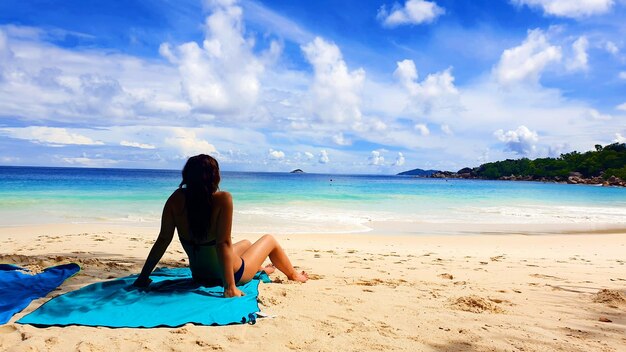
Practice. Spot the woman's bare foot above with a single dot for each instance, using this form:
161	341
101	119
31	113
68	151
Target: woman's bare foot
301	277
269	268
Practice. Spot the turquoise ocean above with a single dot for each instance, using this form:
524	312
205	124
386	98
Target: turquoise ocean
302	203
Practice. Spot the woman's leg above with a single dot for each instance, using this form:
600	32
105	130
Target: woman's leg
261	249
243	246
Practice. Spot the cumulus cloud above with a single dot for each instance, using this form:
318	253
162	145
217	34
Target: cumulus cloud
335	92
579	61
309	155
521	141
412	12
434	85
399	160
435	93
91	86
51	136
422	129
340	139
619	138
137	145
569	8
323	157
376	158
525	63
276	154
187	143
221	75
621	107
622	75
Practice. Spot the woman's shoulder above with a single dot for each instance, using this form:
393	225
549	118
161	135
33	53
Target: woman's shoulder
222	197
177	198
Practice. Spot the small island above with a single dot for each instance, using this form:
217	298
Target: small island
418	173
606	165
296	171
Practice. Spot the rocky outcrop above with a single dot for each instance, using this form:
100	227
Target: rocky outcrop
574	178
297	171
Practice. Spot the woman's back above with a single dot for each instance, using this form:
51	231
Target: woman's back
200	248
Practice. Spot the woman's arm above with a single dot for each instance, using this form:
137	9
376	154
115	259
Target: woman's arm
224	245
158	249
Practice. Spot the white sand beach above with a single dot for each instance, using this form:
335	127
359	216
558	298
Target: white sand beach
380	292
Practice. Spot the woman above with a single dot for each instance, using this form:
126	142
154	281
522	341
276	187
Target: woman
203	217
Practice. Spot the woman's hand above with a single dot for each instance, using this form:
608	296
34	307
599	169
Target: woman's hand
233	292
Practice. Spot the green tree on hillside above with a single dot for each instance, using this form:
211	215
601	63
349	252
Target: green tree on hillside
605	161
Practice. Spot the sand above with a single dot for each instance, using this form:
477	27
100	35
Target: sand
379	292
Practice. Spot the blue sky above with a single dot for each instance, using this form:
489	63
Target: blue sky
325	86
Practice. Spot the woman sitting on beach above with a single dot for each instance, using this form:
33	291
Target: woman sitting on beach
203	217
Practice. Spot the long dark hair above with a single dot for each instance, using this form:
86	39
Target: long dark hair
201	178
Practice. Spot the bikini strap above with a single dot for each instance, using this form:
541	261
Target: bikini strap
191	243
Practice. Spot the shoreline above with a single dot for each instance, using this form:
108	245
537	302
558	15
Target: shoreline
374	228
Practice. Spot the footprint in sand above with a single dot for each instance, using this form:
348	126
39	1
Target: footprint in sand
547	277
612	298
476	304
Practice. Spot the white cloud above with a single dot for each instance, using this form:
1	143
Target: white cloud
621	107
276	154
340	139
619	138
323	157
520	141
88	86
622	75
274	22
580	59
611	47
222	75
422	129
9	159
335	92
524	63
435	93
52	136
187	143
5	51
570	8
446	129
594	114
413	12
309	155
90	162
376	158
399	160
137	145
434	85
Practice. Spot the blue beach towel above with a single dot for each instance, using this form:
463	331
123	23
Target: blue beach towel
18	289
172	299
